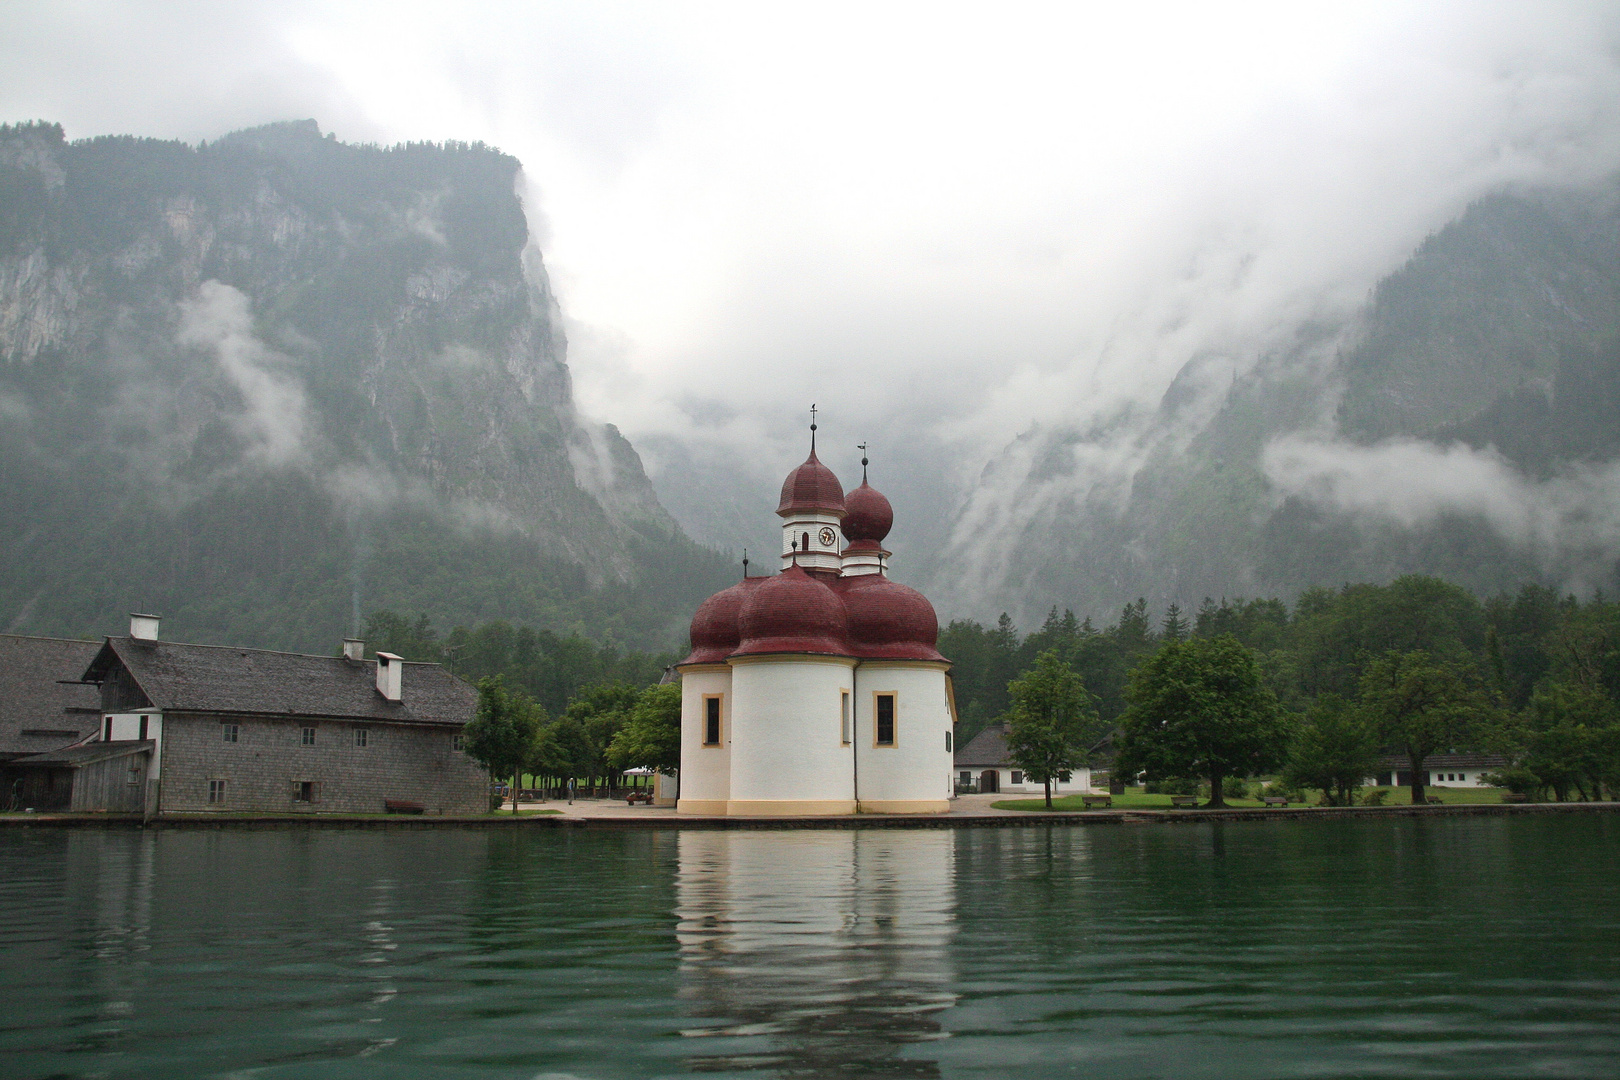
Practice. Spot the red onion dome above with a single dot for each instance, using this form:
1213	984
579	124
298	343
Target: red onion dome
867	514
812	486
715	632
792	613
888	620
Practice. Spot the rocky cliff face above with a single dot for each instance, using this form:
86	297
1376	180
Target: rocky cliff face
268	381
1463	423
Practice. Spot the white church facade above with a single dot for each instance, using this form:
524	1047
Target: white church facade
818	690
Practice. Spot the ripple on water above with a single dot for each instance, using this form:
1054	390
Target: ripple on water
1479	947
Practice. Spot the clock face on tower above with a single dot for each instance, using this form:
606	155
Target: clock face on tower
827	536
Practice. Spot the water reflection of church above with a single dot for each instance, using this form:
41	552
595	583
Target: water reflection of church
819	953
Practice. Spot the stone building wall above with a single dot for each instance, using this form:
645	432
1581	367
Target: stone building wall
264	766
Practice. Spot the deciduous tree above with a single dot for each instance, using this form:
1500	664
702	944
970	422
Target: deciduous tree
1200	708
652	737
1052	721
503	731
1422	705
1334	750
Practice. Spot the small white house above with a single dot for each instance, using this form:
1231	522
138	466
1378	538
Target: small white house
1439	770
984	767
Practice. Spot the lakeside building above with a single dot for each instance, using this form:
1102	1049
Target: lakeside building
818	690
43	705
45	712
984	766
207	728
1439	770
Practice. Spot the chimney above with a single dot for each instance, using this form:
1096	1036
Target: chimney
143	627
354	649
390	675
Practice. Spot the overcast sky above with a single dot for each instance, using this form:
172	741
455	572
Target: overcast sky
943	224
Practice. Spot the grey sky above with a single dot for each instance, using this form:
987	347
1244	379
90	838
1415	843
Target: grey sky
944	224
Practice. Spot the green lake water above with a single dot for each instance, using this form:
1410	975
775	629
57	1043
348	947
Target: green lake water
1476	947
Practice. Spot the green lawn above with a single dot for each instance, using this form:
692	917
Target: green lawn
1138	800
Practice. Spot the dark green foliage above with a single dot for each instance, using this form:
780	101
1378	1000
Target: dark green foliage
577	743
1201	708
1422	704
564	750
652	737
1052	722
1337	632
1568	738
1173	627
1262	625
1335	751
1172	785
504	731
1516	778
1553	663
985	661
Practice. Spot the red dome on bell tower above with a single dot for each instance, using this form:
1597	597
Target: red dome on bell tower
812	486
867	514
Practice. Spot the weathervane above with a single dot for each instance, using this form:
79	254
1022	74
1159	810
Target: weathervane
812	427
745	562
862	448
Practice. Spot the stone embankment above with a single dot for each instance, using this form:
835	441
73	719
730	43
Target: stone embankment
616	816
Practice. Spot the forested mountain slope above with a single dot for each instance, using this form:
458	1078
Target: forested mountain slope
267	384
1464	424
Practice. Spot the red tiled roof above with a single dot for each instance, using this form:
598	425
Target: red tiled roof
792	613
867	617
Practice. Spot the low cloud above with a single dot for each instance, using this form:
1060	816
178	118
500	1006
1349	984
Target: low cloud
965	243
273	421
1570	523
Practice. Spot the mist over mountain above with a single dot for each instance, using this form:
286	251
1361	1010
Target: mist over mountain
266	384
1464	422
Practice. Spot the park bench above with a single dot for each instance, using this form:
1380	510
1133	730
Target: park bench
402	806
1274	800
1433	800
639	795
1184	802
1514	796
1097	800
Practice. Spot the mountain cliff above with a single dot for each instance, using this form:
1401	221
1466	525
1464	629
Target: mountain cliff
1463	423
266	384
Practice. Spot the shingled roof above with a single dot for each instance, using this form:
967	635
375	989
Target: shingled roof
38	710
988	747
176	677
76	757
1401	763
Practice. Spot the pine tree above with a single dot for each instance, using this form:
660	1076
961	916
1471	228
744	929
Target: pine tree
1173	627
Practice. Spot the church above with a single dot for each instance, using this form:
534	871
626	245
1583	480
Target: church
818	690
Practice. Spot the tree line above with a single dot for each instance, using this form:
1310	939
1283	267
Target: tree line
1316	694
